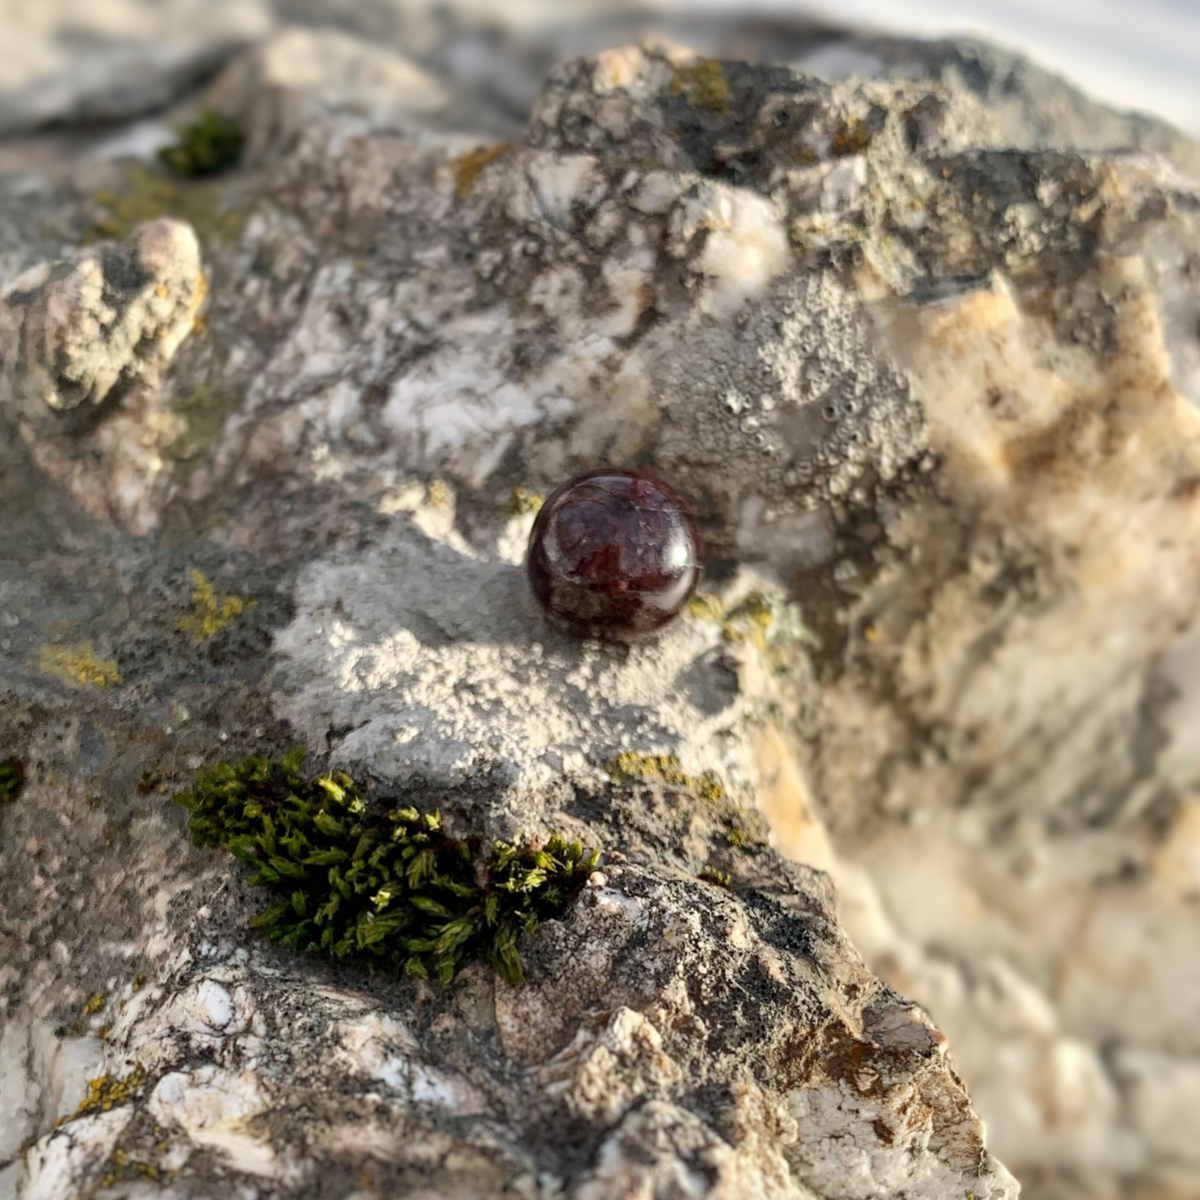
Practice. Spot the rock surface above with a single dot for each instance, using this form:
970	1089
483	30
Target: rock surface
928	375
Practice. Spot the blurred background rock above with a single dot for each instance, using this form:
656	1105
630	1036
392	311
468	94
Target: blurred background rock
79	59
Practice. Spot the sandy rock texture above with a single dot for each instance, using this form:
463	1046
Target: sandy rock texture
927	371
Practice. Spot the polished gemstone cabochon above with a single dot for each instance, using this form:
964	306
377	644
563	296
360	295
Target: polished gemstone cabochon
614	554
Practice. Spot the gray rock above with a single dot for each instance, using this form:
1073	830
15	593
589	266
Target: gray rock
932	398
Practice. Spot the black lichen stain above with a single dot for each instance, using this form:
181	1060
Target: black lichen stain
389	888
206	147
12	779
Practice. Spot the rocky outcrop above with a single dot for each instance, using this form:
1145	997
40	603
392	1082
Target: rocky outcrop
932	397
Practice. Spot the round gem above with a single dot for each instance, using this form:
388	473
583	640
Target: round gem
614	554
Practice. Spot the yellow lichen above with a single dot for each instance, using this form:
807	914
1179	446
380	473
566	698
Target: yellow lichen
125	1168
630	766
705	608
209	614
736	837
439	494
78	665
106	1093
467	167
705	86
94	1004
199	322
712	875
522	502
749	622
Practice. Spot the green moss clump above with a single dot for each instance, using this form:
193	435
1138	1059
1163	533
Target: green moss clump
206	147
717	878
12	779
390	888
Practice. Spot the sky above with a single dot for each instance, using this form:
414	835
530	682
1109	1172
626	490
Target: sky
1141	54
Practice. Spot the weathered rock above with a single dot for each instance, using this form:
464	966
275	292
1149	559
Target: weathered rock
930	399
69	336
668	1032
101	329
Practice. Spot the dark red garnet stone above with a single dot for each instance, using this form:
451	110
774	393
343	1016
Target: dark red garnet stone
614	554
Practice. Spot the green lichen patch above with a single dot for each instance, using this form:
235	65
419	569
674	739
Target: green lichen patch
739	828
12	779
717	878
206	147
389	888
146	194
210	613
79	1024
631	767
745	830
704	86
204	411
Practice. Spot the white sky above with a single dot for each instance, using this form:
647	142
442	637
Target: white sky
1142	54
